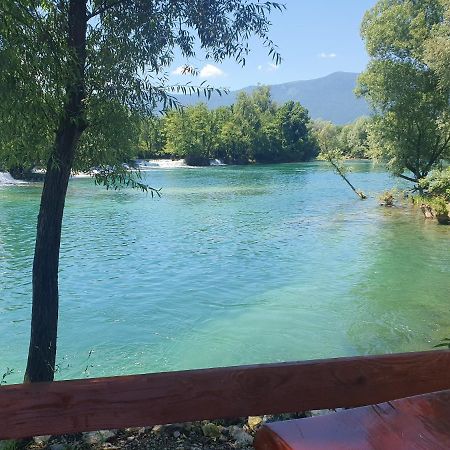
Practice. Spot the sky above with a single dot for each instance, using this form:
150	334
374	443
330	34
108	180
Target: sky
315	38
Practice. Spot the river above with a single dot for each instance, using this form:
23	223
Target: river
232	265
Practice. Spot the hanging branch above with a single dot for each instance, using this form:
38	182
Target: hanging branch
341	173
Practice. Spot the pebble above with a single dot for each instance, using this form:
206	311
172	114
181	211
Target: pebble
138	430
242	438
41	440
254	422
158	429
320	412
211	430
57	447
98	437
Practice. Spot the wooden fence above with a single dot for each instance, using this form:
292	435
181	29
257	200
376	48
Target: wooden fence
143	400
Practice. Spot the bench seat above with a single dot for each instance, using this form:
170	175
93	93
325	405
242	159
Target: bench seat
419	422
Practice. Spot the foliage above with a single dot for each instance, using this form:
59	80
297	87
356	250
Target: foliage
411	129
433	207
327	138
437	183
354	138
9	445
190	134
435	195
350	140
437	48
151	137
254	129
439	205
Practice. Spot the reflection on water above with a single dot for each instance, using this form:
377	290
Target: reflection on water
232	265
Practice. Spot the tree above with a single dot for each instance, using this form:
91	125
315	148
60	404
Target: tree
254	129
437	48
151	137
327	137
354	138
75	75
292	120
248	118
406	84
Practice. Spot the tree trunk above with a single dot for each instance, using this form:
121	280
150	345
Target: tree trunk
361	195
44	319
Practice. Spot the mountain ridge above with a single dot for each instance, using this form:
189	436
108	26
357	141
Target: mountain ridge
329	98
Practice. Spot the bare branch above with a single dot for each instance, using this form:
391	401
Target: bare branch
414	180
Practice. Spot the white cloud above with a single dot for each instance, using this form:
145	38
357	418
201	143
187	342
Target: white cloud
268	67
211	71
324	55
180	70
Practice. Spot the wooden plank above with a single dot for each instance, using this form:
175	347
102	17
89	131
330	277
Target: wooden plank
420	422
143	400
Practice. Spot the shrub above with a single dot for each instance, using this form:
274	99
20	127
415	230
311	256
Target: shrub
437	184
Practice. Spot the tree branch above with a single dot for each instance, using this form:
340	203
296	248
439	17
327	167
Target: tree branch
361	195
414	180
438	153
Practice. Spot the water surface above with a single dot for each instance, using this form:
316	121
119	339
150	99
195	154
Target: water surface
233	265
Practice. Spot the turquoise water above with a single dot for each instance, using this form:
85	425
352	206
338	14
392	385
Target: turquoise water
233	265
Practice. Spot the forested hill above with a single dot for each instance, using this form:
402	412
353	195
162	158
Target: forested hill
330	98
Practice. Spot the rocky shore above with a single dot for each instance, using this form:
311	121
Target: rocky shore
204	435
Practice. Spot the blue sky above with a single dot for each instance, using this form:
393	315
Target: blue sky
315	38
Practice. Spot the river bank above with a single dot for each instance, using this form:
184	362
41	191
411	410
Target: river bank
205	435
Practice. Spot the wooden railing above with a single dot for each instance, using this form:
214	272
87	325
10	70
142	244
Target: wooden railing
143	400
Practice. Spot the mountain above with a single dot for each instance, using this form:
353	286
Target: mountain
329	98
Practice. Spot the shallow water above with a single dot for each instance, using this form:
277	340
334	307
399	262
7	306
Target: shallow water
233	265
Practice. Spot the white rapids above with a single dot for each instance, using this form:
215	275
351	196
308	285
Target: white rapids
7	180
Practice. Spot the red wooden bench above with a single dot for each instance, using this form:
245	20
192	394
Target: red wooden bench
420	422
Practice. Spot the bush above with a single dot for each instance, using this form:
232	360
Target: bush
437	184
440	207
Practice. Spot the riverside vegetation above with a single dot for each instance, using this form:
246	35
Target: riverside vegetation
407	82
254	129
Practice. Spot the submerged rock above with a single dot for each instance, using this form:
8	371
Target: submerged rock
427	211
